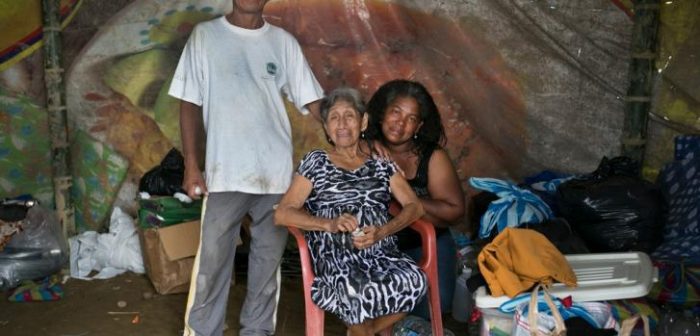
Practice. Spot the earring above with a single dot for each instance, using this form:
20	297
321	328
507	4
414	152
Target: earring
415	136
329	140
362	135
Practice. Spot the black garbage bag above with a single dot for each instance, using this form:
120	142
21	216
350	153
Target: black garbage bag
14	210
560	234
617	166
166	178
478	206
612	209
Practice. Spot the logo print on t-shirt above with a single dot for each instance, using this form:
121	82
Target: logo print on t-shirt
271	68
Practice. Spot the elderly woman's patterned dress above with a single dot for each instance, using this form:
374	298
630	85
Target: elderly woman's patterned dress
357	284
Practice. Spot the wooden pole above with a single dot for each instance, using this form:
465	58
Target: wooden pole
642	71
55	105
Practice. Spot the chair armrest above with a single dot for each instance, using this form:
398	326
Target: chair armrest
426	230
428	243
314	314
298	235
304	254
428	264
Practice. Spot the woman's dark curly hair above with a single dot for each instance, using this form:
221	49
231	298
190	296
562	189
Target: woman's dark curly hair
430	135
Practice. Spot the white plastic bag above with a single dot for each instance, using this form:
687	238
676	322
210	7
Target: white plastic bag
109	253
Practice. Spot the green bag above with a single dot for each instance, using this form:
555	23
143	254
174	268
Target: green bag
164	204
166	211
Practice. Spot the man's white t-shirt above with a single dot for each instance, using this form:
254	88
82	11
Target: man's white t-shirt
238	77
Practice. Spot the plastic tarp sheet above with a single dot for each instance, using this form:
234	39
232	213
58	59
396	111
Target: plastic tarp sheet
521	85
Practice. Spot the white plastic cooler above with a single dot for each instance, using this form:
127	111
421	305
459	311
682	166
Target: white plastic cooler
600	277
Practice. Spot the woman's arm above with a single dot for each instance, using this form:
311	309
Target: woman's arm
289	211
411	208
446	202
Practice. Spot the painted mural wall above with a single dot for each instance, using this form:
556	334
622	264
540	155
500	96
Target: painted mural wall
522	86
24	141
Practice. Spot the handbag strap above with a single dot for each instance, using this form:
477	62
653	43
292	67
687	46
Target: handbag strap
629	323
559	327
511	305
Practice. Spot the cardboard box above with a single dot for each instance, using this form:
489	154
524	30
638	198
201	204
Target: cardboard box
168	255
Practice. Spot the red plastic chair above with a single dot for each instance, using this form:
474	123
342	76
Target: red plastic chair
315	315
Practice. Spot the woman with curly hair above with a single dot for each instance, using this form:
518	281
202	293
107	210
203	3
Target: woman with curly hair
405	119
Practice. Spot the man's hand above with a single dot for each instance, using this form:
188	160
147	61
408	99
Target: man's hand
193	183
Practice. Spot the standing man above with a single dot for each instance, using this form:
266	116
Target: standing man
230	80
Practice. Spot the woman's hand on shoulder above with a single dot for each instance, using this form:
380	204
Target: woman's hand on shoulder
343	223
381	150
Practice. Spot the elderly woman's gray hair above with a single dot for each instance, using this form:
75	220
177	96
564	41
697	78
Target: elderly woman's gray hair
346	94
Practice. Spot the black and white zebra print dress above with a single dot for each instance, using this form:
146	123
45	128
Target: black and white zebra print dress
357	284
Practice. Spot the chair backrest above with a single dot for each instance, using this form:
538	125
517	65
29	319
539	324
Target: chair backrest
315	315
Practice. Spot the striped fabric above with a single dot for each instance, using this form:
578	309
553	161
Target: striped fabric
46	289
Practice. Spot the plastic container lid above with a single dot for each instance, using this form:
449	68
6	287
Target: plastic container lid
600	277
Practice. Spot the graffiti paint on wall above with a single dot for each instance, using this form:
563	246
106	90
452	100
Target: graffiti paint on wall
120	80
24	150
21	27
117	87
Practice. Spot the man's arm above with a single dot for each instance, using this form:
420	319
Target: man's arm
315	110
192	134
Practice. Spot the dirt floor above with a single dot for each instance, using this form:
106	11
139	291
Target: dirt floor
90	308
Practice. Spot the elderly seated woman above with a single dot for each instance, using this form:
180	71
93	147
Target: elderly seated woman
341	199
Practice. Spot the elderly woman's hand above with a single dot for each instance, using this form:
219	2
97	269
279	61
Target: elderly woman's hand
343	223
369	236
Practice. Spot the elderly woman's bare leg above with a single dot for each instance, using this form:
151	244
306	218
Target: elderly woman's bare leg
386	321
362	329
